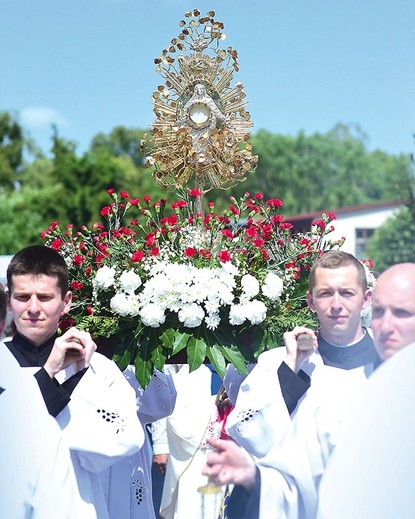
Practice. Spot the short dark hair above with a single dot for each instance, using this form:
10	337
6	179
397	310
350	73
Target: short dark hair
335	259
39	259
3	303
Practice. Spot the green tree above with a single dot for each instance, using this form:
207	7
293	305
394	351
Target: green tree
11	149
24	214
394	241
121	142
323	171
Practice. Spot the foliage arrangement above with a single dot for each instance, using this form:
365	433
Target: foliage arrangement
165	278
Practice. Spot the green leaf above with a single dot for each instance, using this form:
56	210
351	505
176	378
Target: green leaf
143	371
235	357
196	353
145	346
158	358
217	359
123	360
181	340
167	338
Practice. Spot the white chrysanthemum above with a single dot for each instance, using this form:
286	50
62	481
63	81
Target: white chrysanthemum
237	315
273	286
129	281
250	285
152	315
256	311
203	284
124	304
212	321
212	304
230	268
191	315
223	286
104	278
225	277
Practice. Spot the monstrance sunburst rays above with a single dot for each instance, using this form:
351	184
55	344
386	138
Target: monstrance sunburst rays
201	134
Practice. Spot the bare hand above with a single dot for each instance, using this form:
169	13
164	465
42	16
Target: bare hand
160	462
296	357
229	464
72	348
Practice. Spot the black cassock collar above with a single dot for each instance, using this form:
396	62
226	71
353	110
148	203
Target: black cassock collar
28	355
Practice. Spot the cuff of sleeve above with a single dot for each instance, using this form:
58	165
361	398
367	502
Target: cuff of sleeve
70	384
244	504
55	397
161	448
293	385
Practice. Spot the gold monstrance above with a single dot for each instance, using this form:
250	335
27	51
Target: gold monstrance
201	135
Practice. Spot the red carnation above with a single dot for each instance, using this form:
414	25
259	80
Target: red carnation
224	256
172	219
205	254
319	223
227	233
137	256
179	204
56	244
274	202
286	225
78	259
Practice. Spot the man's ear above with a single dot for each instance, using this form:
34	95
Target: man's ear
310	300
367	298
67	302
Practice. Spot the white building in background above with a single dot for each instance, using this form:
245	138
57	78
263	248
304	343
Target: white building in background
4	263
355	223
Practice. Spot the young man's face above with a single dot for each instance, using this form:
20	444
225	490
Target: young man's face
338	299
393	312
37	304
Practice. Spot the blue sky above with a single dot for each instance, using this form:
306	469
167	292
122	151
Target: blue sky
87	65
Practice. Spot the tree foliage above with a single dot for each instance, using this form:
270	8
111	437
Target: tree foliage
322	171
11	149
394	241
